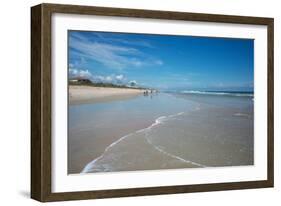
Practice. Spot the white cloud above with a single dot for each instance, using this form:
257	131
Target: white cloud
110	55
79	73
115	79
85	73
108	79
119	77
72	71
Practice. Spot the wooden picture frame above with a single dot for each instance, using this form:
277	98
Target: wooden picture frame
41	96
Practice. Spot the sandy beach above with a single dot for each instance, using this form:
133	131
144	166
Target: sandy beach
90	94
94	127
161	131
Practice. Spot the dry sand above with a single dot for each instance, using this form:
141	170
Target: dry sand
90	94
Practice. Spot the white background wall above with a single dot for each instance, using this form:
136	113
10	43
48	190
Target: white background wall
15	102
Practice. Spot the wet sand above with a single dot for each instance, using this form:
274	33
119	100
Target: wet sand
93	127
160	132
132	157
84	145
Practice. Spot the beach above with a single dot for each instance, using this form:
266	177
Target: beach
158	102
90	94
160	131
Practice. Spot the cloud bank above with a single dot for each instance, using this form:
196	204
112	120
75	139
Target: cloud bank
115	79
112	55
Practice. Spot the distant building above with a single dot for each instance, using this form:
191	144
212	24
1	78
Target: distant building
132	83
80	80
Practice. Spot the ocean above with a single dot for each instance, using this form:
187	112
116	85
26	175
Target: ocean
166	130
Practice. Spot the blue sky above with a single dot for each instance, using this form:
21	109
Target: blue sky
162	61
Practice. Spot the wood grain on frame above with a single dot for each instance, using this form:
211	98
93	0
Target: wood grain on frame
41	101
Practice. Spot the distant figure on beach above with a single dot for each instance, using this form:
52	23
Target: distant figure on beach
150	92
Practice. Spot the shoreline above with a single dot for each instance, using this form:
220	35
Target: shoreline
77	160
136	135
81	151
90	94
188	164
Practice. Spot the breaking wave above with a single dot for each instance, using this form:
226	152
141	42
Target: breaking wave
160	120
236	94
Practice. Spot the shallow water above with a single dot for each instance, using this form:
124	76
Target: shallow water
163	131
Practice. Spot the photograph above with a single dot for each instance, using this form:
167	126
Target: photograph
156	102
134	102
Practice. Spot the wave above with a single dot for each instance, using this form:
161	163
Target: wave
172	155
159	120
241	115
237	94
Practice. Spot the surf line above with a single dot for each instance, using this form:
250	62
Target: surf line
159	120
88	167
171	155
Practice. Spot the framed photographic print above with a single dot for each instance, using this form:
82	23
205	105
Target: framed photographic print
130	102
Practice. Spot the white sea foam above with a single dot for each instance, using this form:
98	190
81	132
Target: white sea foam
172	155
90	165
218	93
241	114
160	120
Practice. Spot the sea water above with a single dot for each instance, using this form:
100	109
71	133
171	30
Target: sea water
183	129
